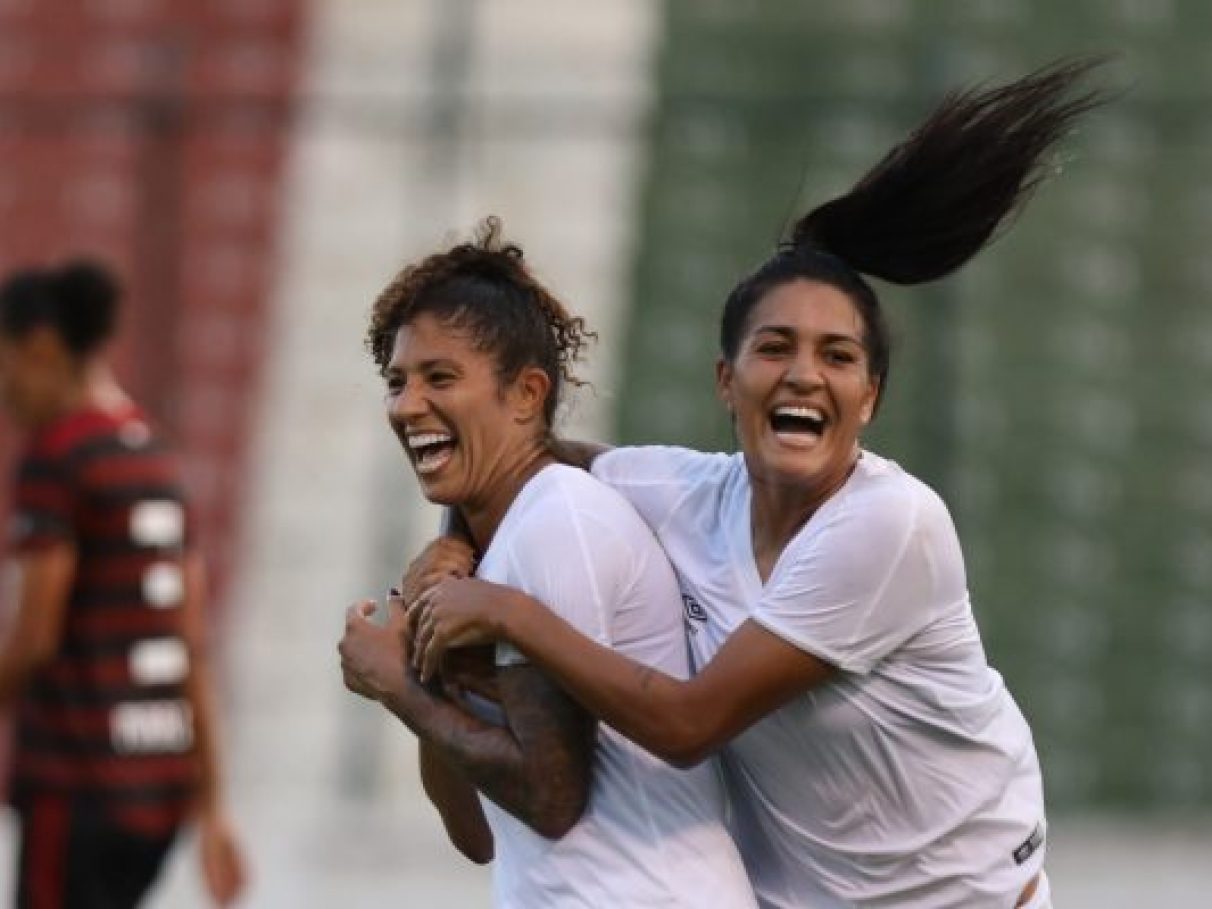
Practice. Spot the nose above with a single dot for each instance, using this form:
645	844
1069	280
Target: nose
408	404
804	372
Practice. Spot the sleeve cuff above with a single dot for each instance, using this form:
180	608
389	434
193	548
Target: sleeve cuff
844	662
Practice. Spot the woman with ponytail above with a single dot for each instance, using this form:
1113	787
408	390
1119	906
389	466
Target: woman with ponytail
873	757
104	660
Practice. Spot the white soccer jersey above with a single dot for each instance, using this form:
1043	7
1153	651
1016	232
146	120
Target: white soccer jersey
910	779
651	835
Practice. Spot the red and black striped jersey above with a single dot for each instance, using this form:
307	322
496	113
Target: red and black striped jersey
109	716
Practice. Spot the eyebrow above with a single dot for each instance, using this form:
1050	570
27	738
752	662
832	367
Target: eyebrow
789	333
424	366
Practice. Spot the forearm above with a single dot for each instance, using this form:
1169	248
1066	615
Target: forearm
532	787
457	803
200	692
576	453
199	684
649	707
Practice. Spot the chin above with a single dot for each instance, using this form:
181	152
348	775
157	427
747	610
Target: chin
438	497
793	471
440	493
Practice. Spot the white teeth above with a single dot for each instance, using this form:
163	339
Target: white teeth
432	461
806	413
427	438
429	459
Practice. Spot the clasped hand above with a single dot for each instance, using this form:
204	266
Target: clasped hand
374	658
438	608
455	612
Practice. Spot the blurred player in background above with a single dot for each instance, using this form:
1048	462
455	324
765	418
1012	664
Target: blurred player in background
104	661
475	352
874	757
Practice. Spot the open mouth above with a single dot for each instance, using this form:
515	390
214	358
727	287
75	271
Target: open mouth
430	450
798	423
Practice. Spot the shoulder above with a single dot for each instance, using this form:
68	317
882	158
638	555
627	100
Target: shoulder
93	432
882	490
563	499
879	510
572	543
570	524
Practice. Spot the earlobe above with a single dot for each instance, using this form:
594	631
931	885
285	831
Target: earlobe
873	397
723	383
43	343
46	349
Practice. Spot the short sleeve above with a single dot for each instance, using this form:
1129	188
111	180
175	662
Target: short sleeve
860	584
44	503
572	564
655	479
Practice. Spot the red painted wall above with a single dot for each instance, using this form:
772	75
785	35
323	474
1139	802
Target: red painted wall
152	134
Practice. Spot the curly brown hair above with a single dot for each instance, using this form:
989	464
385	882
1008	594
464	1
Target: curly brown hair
484	287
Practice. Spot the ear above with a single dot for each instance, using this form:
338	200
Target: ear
529	394
43	344
723	383
42	348
867	407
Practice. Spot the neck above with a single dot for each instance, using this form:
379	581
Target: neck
778	511
484	517
92	386
102	389
68	397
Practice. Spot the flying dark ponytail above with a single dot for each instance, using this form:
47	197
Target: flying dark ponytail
931	204
937	198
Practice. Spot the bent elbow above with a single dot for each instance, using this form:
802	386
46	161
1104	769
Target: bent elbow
685	758
685	744
554	822
555	828
479	853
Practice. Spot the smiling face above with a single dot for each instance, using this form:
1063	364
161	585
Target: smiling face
467	434
800	387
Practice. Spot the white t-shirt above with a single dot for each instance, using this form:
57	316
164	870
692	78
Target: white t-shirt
908	780
651	835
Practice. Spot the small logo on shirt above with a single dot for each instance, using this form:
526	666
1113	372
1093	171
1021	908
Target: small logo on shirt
1030	844
694	613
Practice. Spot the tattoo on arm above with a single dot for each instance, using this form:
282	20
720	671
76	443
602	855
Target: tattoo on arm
537	767
647	675
458	804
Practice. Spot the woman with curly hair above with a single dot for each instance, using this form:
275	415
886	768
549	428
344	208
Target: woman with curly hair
475	352
873	756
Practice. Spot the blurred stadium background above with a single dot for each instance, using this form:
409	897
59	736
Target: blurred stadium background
257	170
